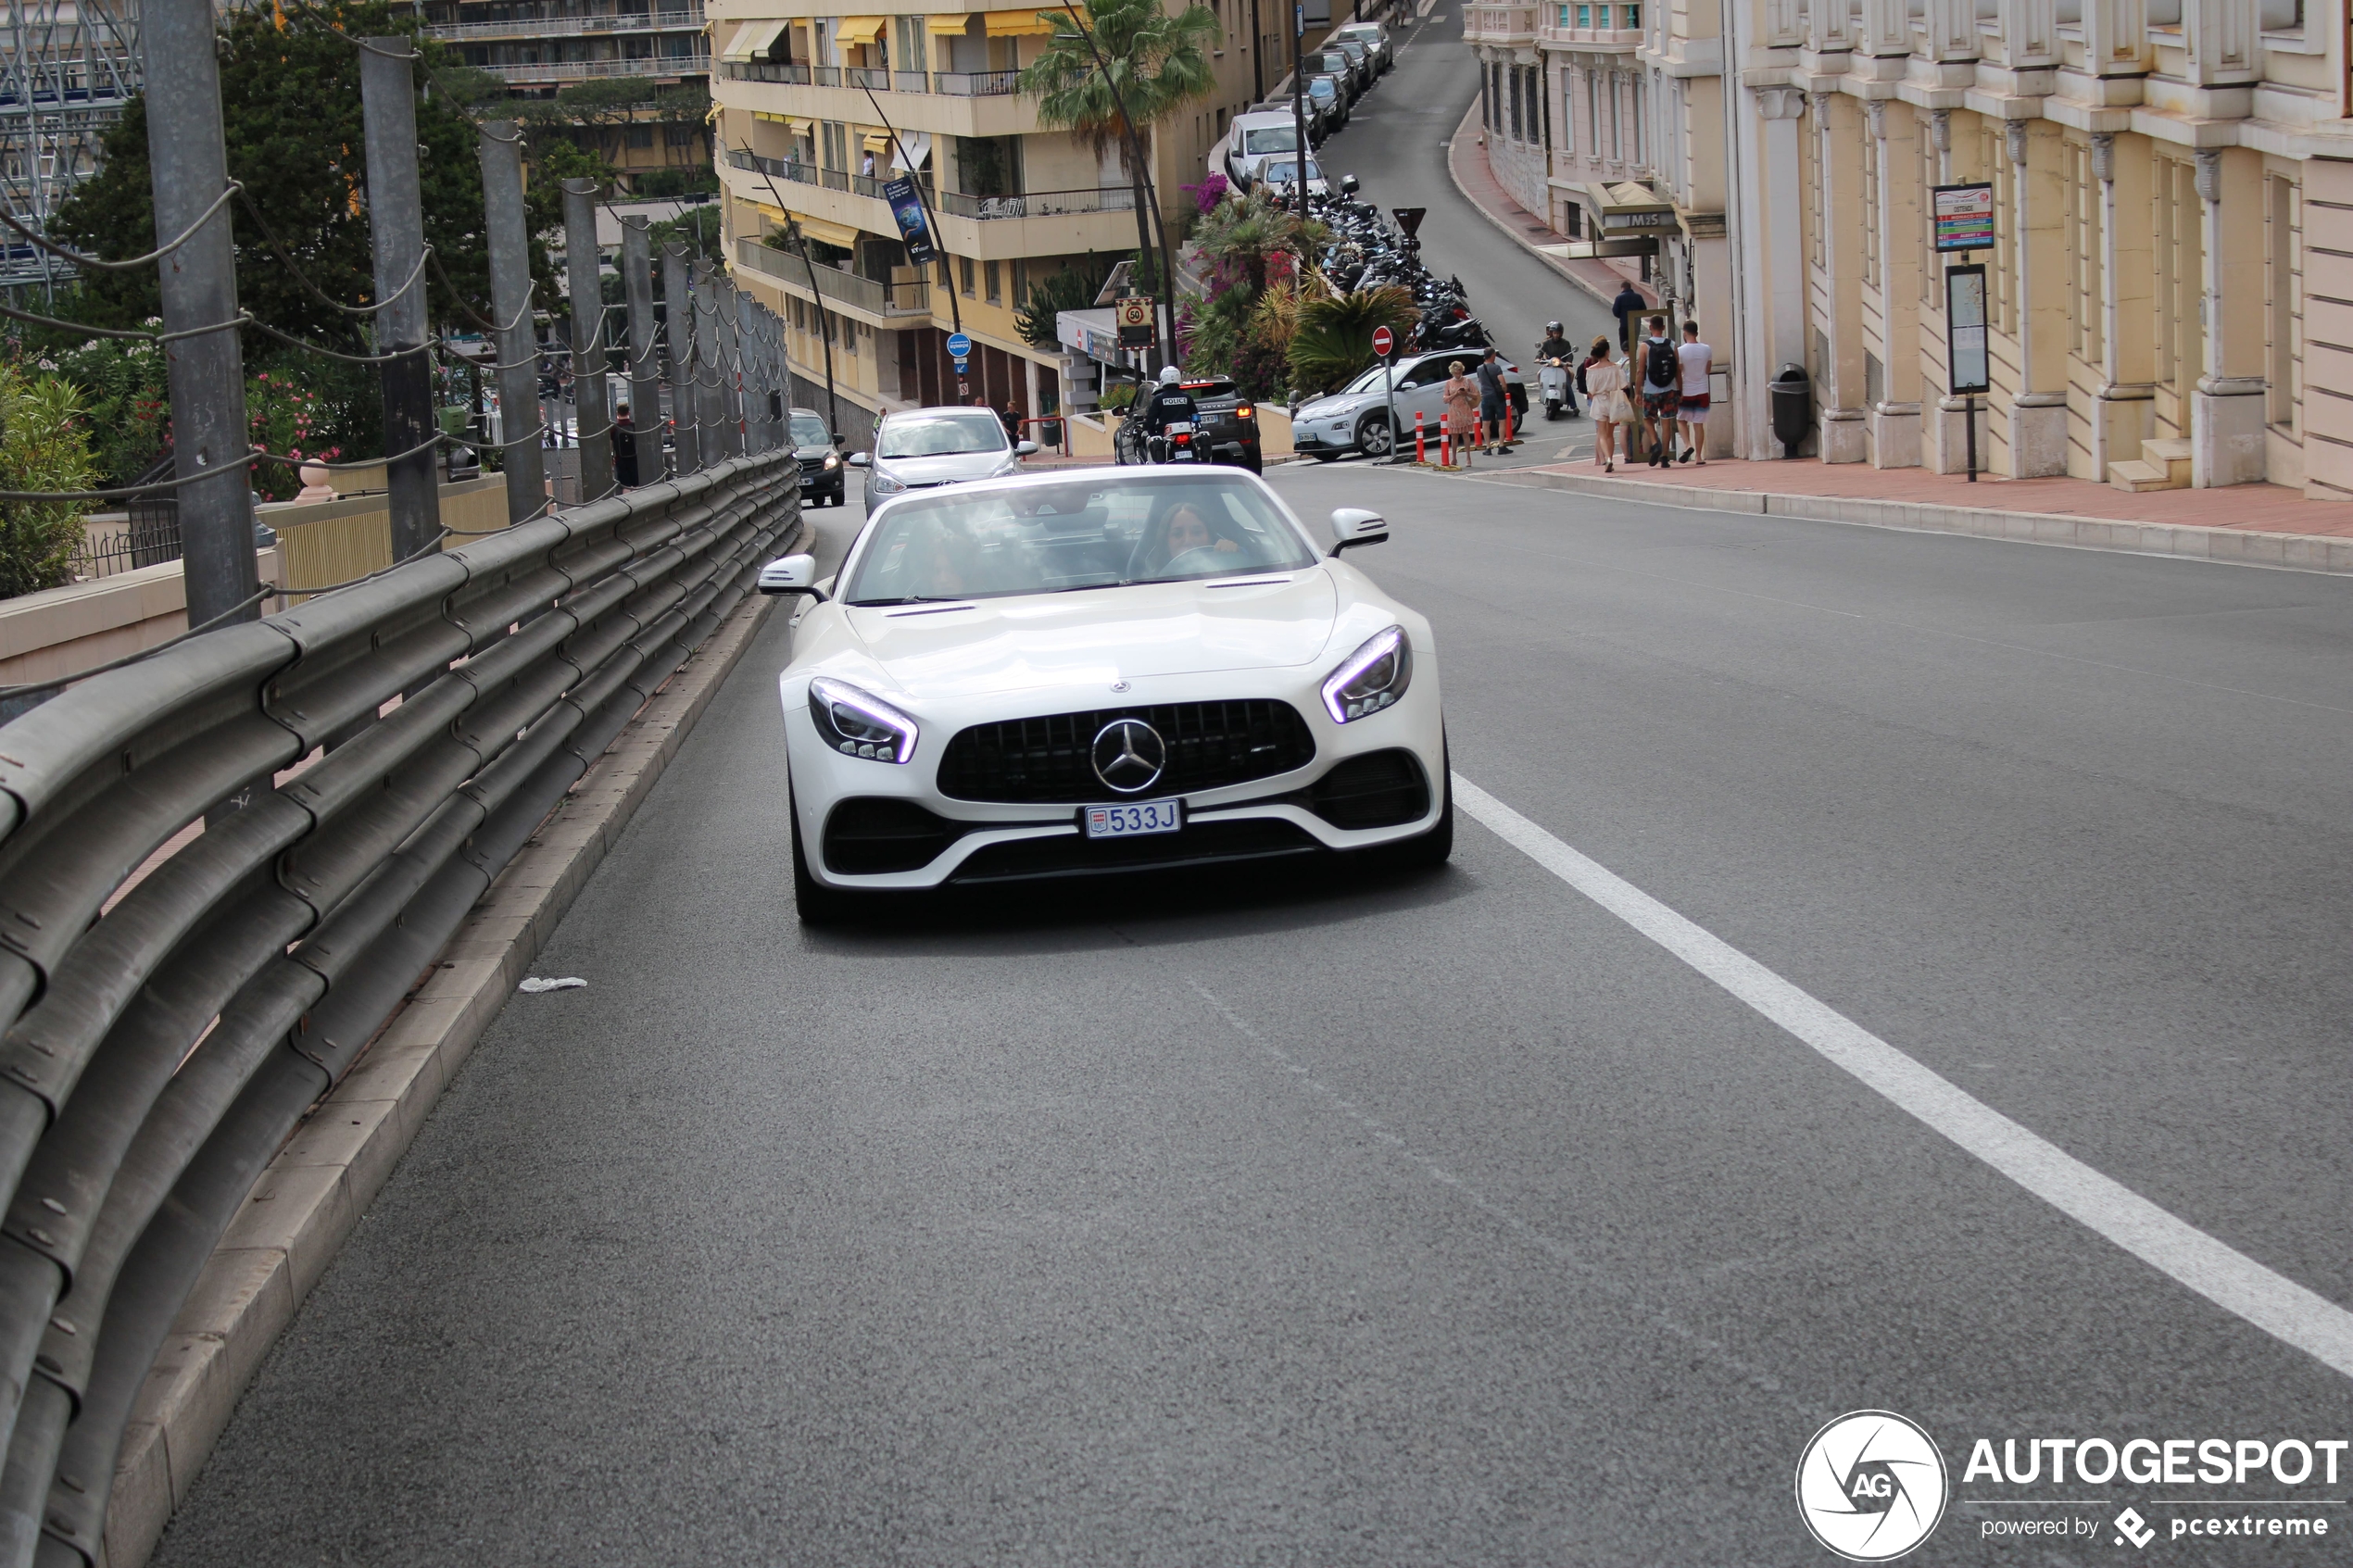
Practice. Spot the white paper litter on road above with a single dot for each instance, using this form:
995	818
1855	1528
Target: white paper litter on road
534	985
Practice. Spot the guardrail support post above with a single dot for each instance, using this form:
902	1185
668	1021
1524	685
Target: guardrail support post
190	161
678	359
507	235
591	416
645	388
396	224
710	368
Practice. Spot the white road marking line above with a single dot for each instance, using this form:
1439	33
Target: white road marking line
2227	1278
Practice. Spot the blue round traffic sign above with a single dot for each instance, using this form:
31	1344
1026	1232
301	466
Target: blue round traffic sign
959	346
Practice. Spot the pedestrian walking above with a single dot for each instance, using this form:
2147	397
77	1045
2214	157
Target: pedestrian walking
1606	399
1698	360
1459	396
1660	374
624	448
1010	414
1628	308
1494	396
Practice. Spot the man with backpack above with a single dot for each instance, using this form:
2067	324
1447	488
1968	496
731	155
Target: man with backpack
1660	373
1494	396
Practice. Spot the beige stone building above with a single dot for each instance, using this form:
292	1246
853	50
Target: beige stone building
1014	201
2169	284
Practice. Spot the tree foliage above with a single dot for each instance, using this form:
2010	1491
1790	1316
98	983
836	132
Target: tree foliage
1157	64
1073	288
297	141
45	444
1334	340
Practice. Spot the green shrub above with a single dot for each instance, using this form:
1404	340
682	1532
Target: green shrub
1335	337
45	446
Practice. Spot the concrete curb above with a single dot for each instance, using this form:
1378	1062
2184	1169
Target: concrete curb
2235	547
308	1199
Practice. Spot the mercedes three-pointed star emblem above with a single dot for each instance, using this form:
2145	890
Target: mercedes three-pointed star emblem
1129	755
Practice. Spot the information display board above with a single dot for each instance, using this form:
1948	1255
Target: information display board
1962	217
1965	324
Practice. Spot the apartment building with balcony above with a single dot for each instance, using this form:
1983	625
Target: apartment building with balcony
2173	190
802	101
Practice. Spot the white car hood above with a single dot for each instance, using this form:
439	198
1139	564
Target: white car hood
1102	634
951	470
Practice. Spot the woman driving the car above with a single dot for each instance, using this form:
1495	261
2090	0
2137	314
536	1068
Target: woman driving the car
1182	531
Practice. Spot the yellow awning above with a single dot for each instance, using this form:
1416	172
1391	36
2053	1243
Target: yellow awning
859	29
878	143
1018	24
949	26
754	38
840	235
798	125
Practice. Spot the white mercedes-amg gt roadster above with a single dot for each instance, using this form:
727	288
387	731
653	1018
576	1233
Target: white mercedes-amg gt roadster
1101	671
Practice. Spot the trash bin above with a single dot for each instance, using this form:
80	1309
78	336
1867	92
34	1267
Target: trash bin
1792	407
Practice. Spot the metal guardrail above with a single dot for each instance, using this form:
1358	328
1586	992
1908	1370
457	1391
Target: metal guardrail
360	769
586	26
1030	203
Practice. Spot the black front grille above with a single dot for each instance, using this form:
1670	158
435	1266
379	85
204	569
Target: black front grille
868	836
1197	844
1380	789
1210	745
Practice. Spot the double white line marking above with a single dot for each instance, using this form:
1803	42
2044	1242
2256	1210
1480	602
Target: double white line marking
2227	1278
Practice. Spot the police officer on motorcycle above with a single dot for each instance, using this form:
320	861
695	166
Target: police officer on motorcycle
1171	405
1558	358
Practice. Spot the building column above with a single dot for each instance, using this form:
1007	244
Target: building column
2120	417
2226	411
1896	418
1843	435
1783	205
2038	414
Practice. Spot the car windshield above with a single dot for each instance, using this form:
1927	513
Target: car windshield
940	436
807	429
1099	532
1322	87
1271	139
1284	173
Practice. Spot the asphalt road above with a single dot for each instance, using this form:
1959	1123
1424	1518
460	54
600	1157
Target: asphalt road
1395	143
1440	1219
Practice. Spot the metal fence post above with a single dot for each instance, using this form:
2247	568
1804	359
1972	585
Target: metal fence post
397	223
589	362
678	359
709	368
731	301
507	231
190	161
645	386
747	373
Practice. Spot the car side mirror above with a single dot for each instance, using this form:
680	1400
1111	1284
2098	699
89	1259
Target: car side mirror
791	574
1353	525
1024	448
861	460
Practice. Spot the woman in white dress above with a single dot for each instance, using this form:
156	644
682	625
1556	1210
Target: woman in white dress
1605	400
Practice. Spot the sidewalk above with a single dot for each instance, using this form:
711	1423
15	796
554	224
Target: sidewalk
2257	525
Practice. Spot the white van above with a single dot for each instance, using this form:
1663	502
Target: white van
1252	138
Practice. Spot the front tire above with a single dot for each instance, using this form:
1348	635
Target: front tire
1373	436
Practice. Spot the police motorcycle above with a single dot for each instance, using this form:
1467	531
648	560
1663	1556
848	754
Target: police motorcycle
1173	442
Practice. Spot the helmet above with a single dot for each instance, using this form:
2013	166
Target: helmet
1170	375
1552	329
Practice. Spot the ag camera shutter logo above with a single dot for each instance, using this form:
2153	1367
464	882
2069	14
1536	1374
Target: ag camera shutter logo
1871	1485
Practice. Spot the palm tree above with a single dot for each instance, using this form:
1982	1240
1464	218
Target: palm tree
1110	77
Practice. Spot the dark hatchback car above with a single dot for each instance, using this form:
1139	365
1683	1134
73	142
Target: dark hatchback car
824	481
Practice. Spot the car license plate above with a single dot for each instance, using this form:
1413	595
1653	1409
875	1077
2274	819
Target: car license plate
1145	816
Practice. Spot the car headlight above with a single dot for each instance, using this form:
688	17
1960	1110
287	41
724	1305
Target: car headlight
833	462
1372	678
858	724
881	483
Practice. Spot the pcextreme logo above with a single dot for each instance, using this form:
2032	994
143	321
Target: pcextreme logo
1871	1485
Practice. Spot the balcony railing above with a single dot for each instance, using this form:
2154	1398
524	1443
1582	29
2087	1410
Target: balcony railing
579	70
952	83
1030	203
573	27
839	288
1499	24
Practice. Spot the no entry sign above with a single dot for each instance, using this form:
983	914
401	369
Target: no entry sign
1383	341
